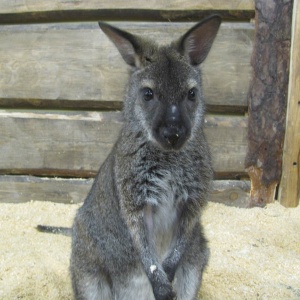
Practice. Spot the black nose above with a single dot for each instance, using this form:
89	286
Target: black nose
170	132
171	135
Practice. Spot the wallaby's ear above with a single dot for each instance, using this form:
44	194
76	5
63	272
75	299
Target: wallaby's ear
124	41
196	43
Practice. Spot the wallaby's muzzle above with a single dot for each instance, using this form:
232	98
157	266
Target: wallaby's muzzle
173	132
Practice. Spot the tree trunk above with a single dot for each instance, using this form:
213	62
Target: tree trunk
268	98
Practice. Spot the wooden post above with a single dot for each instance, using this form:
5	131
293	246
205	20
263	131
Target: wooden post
268	98
289	190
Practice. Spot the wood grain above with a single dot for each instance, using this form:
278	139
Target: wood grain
268	97
231	192
76	143
12	12
18	189
289	189
8	6
76	66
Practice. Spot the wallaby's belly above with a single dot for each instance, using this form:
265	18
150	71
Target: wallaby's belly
165	226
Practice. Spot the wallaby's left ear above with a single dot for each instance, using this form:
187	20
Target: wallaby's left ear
196	43
125	42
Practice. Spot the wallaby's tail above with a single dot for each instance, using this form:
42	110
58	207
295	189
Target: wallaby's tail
56	230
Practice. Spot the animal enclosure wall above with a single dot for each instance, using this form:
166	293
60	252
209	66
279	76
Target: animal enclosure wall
62	83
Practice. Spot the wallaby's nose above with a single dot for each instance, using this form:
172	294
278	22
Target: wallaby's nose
172	129
171	134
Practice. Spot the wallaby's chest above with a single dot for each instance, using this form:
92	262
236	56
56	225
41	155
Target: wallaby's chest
166	193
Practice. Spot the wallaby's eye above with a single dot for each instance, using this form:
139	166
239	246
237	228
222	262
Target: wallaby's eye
148	94
148	59
192	94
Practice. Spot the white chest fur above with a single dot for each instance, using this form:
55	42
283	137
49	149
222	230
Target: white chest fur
161	213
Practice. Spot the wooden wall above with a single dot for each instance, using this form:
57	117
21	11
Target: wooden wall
62	83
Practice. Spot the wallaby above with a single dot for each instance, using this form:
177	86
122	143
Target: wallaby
138	234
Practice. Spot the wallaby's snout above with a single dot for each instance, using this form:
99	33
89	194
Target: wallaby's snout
174	130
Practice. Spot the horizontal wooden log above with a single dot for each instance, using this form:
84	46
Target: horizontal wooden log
231	192
76	143
31	11
76	66
18	189
8	6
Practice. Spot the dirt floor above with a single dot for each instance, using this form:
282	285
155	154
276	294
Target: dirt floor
255	253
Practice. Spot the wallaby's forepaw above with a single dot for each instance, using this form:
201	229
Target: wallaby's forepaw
169	269
162	287
165	292
170	272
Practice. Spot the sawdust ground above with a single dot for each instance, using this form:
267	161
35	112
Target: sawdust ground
255	253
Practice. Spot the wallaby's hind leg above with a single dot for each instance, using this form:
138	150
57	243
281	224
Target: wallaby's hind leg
88	280
188	276
91	287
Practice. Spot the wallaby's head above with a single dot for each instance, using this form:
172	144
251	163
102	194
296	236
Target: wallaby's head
164	96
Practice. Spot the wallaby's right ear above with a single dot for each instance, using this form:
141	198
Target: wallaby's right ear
125	42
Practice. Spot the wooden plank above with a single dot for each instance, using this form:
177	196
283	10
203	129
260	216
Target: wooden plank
268	98
76	66
76	143
231	192
227	137
289	189
8	6
19	189
56	143
12	12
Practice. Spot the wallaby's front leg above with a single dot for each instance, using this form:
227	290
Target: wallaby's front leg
140	229
188	276
187	260
186	226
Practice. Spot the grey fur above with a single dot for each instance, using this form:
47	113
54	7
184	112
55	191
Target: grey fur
138	234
